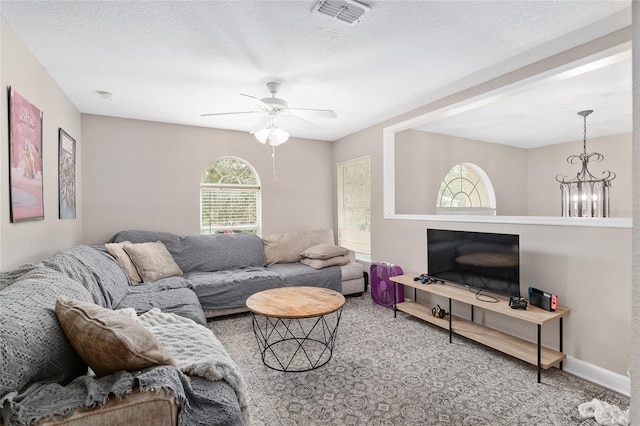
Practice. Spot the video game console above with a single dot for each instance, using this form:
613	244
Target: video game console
542	299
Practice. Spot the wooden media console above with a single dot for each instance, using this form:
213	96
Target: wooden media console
533	353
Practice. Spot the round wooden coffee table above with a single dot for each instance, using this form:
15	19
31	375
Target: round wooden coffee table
296	327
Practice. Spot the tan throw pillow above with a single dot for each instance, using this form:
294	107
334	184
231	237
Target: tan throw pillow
108	341
324	251
286	248
323	263
121	256
152	260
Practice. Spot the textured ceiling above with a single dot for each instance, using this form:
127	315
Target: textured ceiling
172	61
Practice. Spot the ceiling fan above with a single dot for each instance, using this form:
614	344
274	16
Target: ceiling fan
277	115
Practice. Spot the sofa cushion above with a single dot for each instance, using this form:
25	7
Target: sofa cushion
33	347
230	289
117	251
107	340
94	268
204	253
220	252
179	301
287	248
324	263
152	260
299	274
351	270
324	251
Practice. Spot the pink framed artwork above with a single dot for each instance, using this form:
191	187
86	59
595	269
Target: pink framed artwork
25	159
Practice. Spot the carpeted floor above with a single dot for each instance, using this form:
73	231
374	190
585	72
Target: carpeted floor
403	371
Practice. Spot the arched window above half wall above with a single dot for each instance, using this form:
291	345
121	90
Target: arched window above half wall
230	198
466	189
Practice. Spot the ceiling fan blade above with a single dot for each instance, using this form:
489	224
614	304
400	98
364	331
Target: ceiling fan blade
297	121
231	113
262	104
324	113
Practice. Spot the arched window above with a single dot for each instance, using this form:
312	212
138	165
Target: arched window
229	198
466	189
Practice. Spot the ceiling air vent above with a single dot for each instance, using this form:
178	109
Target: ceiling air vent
349	11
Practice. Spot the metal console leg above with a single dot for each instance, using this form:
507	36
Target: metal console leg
539	351
560	340
450	330
395	299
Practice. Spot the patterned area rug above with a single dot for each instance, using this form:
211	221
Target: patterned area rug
403	371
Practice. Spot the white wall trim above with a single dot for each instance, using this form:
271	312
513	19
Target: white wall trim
622	222
617	382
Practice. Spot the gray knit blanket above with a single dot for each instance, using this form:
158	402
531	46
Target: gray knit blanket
196	350
42	376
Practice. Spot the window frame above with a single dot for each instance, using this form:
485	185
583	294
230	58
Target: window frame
251	228
483	182
353	239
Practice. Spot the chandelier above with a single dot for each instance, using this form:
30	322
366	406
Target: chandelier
585	195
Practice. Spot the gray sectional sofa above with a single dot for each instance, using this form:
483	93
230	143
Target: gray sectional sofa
225	269
43	379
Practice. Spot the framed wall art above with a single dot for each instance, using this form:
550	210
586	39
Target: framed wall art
66	175
25	159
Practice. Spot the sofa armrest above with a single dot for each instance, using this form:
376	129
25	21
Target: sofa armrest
138	408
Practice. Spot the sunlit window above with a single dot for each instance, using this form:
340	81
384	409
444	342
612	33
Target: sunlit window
466	189
229	198
354	206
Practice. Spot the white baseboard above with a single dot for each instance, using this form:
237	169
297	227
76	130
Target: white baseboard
614	381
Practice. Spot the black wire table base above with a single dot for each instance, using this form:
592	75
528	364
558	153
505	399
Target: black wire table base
296	344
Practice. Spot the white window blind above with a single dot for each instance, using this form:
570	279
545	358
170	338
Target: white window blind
354	205
229	207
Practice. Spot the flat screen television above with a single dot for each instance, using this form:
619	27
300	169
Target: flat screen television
479	260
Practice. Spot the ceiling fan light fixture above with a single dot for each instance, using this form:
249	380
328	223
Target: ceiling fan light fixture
275	135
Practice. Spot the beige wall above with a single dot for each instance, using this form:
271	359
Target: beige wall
523	179
146	175
423	159
31	241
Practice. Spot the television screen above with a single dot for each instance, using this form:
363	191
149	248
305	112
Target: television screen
480	260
